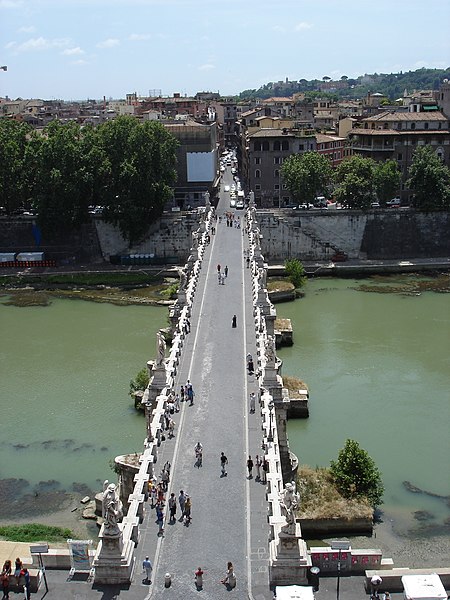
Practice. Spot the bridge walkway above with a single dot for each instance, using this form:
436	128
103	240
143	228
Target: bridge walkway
229	514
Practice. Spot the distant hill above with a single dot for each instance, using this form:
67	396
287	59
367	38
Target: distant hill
392	85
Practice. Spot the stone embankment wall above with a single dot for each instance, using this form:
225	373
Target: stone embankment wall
169	237
379	234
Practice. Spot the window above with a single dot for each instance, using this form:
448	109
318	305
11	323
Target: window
285	145
399	125
276	146
257	147
257	160
426	125
276	160
257	174
265	146
276	173
301	146
257	186
413	125
276	186
399	156
284	186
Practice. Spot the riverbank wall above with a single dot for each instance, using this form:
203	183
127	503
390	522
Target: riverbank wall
310	236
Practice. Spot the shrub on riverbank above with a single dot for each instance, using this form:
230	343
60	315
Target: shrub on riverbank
34	532
320	498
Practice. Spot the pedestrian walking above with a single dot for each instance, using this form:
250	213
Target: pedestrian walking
226	270
258	463
182	393
248	262
177	403
219	268
190	394
171	428
222	278
172	507
234	321
265	468
182	502
147	568
223	464
160	519
230	578
187	510
251	367
199	579
250	467
252	402
25	575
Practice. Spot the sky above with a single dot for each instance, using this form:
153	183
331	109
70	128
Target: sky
90	49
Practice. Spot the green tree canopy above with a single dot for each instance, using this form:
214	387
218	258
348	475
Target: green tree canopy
387	180
307	175
356	474
430	180
142	172
296	272
355	182
13	183
62	177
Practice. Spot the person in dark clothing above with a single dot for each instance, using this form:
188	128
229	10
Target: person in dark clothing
234	321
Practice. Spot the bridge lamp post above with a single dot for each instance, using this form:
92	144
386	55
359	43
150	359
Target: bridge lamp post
339	545
270	436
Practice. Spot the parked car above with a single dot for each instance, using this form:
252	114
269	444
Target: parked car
226	188
233	203
240	204
375	205
394	203
339	256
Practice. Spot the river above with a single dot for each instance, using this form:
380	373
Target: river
65	406
377	366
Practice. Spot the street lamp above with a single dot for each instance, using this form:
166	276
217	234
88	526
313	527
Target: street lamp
339	545
270	436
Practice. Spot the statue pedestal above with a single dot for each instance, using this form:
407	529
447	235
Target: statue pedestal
289	560
159	378
114	559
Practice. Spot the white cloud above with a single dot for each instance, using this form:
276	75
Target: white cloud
72	51
109	43
79	63
302	26
138	37
11	3
206	67
10	45
279	29
38	44
29	29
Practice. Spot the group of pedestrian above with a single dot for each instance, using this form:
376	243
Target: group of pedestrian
222	275
187	393
261	465
21	575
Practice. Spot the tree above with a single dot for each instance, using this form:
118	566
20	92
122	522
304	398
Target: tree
62	177
13	183
356	475
142	172
387	180
307	175
355	182
430	180
296	272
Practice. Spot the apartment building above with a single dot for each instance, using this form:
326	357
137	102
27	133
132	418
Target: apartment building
263	151
396	135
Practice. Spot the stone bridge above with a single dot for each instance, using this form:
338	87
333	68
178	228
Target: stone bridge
234	518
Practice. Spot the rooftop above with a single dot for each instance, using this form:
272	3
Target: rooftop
406	116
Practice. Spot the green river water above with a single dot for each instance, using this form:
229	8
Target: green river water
377	366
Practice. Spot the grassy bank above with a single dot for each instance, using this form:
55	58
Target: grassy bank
34	532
